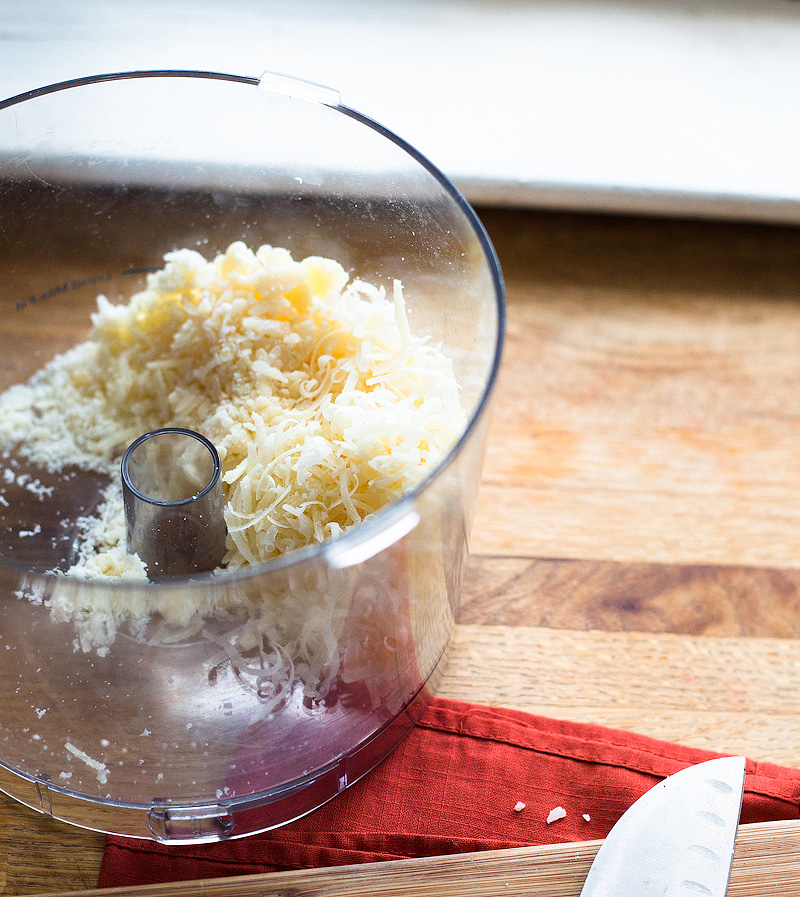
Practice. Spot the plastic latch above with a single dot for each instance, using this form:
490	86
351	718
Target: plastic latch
212	822
299	89
45	798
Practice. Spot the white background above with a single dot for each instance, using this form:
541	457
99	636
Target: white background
686	106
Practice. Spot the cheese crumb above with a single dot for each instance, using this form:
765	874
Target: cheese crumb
587	817
519	806
555	814
100	768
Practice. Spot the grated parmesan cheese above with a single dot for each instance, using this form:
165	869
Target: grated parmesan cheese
322	403
555	814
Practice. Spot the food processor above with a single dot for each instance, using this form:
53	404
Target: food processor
196	734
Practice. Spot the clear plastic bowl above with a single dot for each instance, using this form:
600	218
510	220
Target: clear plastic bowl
100	177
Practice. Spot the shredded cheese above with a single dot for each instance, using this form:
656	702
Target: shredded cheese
322	403
100	769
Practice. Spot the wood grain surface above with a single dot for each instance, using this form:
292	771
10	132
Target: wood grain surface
647	407
766	862
636	552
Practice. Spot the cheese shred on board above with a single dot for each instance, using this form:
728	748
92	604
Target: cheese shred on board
322	404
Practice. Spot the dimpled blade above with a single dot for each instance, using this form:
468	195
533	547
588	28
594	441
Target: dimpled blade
677	839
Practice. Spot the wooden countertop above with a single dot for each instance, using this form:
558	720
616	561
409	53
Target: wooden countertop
636	552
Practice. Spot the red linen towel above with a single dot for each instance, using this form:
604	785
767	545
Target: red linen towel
457	783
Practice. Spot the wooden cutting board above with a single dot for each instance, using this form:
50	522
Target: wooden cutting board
766	862
636	552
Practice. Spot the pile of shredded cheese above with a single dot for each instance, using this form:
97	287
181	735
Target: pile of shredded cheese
322	404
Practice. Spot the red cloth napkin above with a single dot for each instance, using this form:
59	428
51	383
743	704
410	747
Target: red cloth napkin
457	783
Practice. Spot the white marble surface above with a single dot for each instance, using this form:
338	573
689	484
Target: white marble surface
679	106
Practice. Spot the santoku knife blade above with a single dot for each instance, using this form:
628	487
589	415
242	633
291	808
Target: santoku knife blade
677	840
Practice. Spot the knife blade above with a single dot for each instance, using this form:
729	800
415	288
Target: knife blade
676	839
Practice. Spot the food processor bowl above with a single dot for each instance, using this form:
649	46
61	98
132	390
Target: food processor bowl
204	731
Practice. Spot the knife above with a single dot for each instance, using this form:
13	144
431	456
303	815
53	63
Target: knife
676	839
